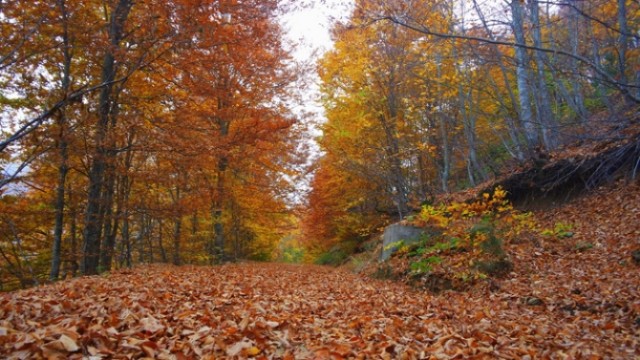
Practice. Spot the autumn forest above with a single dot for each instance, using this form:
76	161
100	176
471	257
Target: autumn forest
138	138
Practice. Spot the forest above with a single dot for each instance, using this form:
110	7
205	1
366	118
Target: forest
142	132
429	98
138	132
163	195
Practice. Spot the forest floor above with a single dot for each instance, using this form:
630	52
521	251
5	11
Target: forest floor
570	299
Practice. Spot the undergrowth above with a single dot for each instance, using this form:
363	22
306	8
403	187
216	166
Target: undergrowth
471	242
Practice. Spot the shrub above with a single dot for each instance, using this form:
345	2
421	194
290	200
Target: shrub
472	239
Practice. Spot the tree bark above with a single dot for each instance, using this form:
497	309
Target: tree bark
546	118
177	226
623	46
218	227
522	75
93	223
63	168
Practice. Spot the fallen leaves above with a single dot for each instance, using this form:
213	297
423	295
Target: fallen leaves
558	303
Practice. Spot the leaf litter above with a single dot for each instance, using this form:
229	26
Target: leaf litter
559	303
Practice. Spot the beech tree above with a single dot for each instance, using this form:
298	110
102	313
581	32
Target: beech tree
150	117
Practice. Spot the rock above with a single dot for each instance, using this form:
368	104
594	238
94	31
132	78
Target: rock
397	235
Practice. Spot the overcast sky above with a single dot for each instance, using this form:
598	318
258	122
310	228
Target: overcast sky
309	28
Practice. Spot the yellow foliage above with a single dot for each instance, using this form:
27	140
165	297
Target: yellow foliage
456	219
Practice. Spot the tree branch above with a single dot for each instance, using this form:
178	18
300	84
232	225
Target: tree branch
622	88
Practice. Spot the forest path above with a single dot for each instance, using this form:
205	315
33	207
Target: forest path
282	311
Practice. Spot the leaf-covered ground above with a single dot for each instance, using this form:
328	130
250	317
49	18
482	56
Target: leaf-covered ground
570	299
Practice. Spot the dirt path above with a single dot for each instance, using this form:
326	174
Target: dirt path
290	312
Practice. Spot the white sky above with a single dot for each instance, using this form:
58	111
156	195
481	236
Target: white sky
308	27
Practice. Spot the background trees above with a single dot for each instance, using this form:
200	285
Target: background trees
428	97
150	131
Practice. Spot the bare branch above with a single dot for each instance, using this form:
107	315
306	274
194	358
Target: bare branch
621	87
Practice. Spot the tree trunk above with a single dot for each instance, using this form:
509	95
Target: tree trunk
63	169
163	253
126	240
73	234
177	224
546	119
218	227
623	46
522	76
59	205
110	221
93	224
574	28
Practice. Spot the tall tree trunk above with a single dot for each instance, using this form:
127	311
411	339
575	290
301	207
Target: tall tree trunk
63	168
546	118
218	227
522	75
177	225
140	238
109	220
218	248
163	253
93	225
574	28
126	239
149	239
623	46
73	234
446	154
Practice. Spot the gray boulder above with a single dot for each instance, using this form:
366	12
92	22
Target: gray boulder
397	235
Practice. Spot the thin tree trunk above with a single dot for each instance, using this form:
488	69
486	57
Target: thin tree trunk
63	169
600	90
546	118
177	225
110	221
163	253
218	228
574	28
522	75
140	238
149	238
73	230
623	46
126	239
